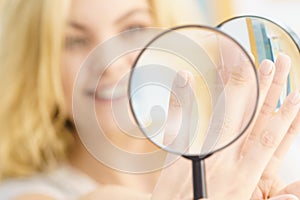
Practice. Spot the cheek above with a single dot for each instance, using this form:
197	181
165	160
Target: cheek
70	67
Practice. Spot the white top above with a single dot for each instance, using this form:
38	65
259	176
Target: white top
65	183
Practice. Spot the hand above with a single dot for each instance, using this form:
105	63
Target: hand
242	170
245	170
258	153
269	184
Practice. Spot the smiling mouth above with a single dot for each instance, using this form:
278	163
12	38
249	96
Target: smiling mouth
109	93
112	93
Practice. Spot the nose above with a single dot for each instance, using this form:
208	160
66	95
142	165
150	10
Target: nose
111	58
117	68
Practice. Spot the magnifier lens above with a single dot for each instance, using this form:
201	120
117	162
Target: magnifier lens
266	40
193	90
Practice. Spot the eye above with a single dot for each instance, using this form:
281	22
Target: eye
76	42
136	27
134	31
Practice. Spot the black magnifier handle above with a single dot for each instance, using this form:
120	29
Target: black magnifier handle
199	179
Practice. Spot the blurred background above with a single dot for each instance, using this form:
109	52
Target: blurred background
285	11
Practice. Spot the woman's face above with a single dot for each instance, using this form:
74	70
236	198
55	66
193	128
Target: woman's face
91	22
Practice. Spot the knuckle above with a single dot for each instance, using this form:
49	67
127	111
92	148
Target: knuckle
239	78
278	82
267	109
252	137
286	113
293	130
268	139
264	84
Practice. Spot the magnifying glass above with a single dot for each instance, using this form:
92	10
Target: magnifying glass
265	39
193	91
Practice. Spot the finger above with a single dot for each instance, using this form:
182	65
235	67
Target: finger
282	66
266	74
177	135
174	177
264	145
285	197
267	105
281	151
230	109
291	189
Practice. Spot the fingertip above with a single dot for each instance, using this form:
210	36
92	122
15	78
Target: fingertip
290	106
181	79
283	59
283	56
182	90
266	67
294	98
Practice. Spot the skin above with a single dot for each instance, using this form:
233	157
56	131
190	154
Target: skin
88	32
239	165
254	176
84	31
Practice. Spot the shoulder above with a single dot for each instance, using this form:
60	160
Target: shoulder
62	183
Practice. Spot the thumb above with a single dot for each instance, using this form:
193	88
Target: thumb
285	197
291	189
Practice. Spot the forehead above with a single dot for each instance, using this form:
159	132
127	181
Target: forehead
101	11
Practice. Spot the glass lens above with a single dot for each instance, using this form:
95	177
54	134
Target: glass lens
193	90
265	40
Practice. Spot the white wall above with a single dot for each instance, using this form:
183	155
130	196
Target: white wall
286	11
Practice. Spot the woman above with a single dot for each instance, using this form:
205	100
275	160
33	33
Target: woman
39	144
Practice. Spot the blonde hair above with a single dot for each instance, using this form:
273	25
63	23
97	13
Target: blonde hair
33	131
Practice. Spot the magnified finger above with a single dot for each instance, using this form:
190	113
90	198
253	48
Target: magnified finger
177	135
232	104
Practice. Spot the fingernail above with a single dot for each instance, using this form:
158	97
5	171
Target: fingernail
285	56
181	79
295	98
267	68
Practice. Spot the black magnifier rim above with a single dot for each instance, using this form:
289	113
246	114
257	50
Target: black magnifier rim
213	29
282	26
